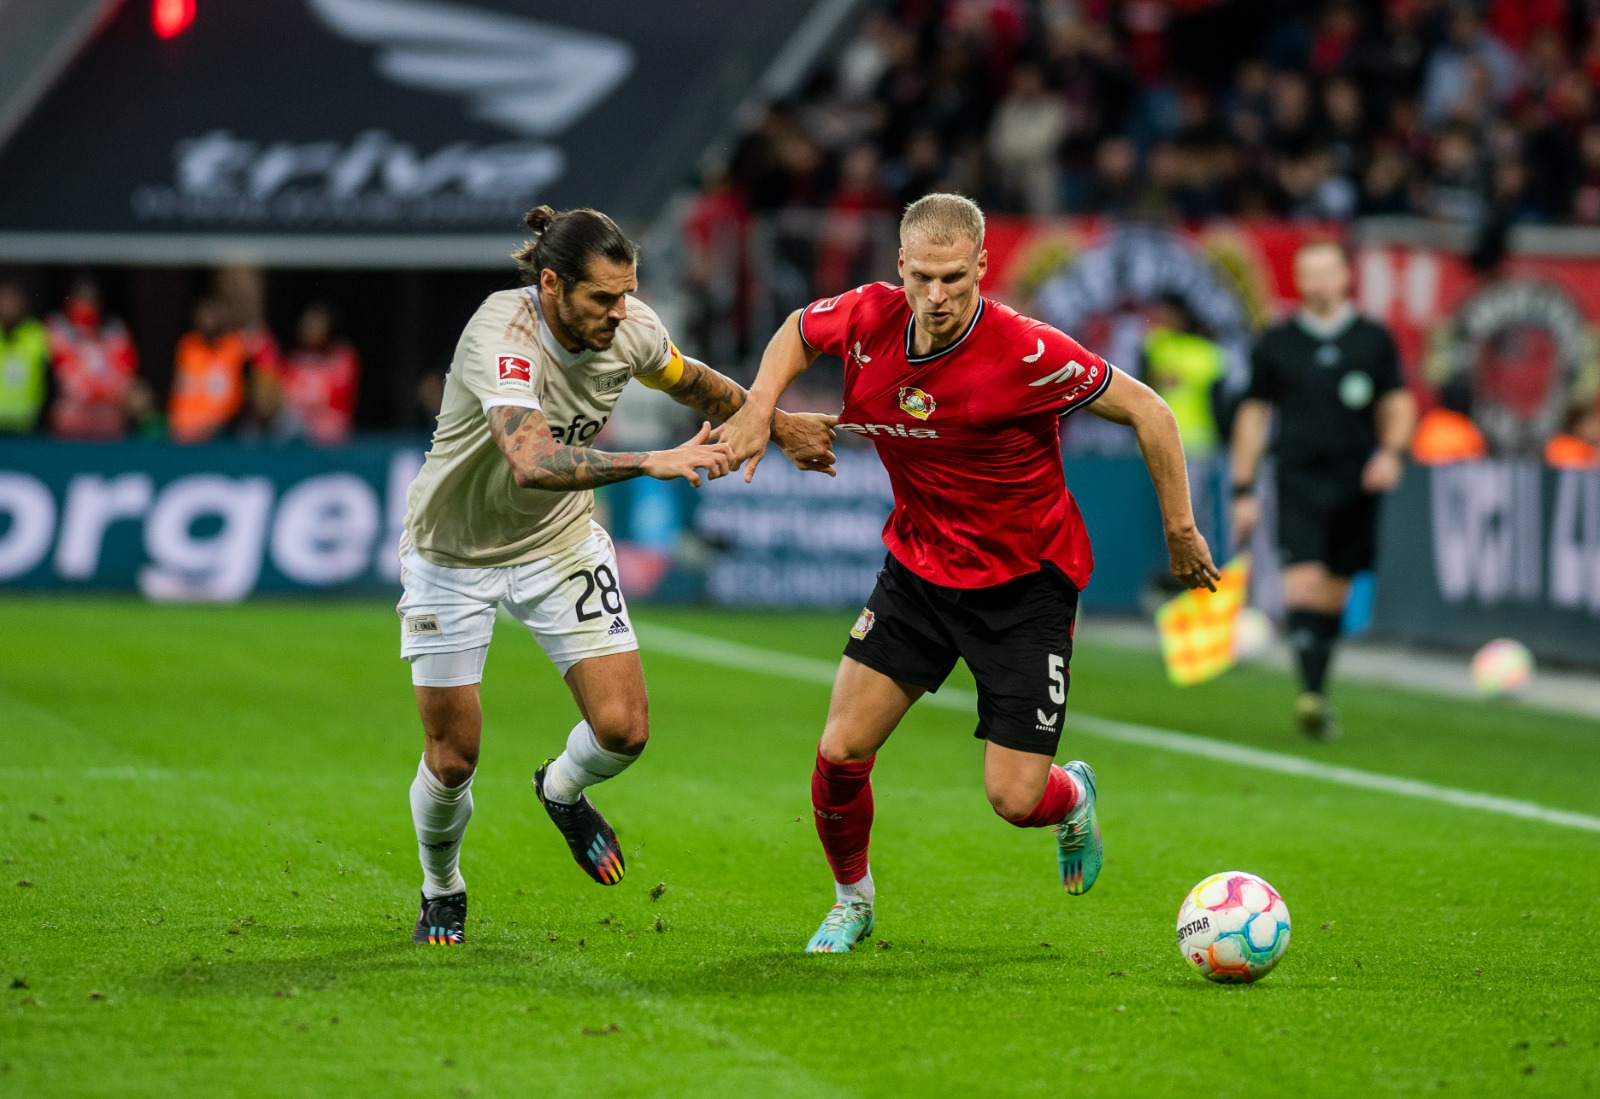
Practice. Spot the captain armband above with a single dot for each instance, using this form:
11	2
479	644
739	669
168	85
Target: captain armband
669	375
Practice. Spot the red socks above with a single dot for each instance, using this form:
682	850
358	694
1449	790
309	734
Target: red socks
841	797
1059	800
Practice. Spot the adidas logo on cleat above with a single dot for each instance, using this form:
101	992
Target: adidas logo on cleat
618	626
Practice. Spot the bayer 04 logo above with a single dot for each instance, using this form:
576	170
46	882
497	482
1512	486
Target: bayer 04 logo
1233	927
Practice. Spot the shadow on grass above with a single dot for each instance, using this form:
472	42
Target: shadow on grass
373	966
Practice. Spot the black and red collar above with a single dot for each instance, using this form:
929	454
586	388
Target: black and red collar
972	325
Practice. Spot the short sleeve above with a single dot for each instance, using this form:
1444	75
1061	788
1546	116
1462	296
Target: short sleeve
667	375
825	324
502	362
1050	372
1263	375
1386	375
649	350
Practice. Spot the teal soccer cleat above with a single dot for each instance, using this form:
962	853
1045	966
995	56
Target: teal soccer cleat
1079	849
843	927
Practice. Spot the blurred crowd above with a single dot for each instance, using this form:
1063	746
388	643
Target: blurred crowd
75	374
1476	112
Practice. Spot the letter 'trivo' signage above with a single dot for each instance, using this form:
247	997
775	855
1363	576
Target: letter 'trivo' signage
382	117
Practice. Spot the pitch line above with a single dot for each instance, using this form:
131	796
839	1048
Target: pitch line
805	669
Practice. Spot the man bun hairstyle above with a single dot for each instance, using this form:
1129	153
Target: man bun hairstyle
943	218
567	242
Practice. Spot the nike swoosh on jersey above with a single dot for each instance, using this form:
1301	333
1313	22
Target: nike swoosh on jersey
532	77
1036	356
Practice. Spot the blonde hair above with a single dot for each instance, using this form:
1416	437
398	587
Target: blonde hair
943	219
1323	244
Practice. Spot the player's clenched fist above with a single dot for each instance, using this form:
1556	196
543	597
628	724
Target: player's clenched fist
688	459
806	439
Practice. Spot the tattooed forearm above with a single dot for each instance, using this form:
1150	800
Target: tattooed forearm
538	461
711	394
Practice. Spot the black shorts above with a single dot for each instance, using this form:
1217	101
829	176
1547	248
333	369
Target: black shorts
1016	638
1331	521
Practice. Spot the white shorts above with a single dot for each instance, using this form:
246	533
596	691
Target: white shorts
570	602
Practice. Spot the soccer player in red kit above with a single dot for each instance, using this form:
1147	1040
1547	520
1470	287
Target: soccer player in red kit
961	396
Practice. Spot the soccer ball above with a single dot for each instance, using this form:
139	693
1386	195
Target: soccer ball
1502	668
1233	928
1252	634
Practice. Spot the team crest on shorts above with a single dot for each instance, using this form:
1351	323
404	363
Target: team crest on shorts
863	625
916	402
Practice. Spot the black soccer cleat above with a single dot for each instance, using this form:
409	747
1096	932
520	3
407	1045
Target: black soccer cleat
1316	717
594	845
442	920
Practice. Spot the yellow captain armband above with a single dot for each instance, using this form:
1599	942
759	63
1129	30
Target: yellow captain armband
669	375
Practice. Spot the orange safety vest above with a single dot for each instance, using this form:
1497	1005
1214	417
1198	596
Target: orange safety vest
207	386
1444	436
1571	452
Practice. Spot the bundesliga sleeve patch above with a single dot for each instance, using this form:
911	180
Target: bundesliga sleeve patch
516	373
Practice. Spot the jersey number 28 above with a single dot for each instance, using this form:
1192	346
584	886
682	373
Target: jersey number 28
602	581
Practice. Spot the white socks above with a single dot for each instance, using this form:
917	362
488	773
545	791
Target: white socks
440	814
862	891
584	763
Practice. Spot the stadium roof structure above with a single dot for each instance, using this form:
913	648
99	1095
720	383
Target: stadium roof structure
368	133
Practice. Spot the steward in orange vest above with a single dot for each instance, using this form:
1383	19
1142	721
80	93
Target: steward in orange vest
1447	432
208	378
1578	446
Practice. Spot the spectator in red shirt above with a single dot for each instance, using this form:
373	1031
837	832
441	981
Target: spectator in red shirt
94	365
1335	39
319	382
845	251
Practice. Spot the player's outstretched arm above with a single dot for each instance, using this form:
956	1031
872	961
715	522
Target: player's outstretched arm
806	438
1130	402
538	461
785	359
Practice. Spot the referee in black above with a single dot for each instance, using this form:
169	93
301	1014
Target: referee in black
1344	420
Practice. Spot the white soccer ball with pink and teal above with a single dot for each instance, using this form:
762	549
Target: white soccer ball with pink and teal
1502	669
1233	928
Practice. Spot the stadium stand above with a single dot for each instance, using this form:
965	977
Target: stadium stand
1473	114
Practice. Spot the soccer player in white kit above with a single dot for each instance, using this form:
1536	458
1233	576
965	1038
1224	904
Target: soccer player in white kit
501	515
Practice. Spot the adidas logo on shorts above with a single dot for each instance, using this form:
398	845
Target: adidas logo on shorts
617	626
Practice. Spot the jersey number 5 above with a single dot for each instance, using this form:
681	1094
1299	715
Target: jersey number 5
599	580
1058	680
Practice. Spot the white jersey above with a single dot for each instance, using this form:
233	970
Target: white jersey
465	509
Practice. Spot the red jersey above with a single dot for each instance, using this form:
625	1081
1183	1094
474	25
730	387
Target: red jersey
319	392
968	434
95	365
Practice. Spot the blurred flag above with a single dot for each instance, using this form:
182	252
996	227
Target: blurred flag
1197	627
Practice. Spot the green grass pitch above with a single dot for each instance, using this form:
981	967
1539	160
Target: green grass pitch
210	880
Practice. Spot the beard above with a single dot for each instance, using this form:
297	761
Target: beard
591	336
